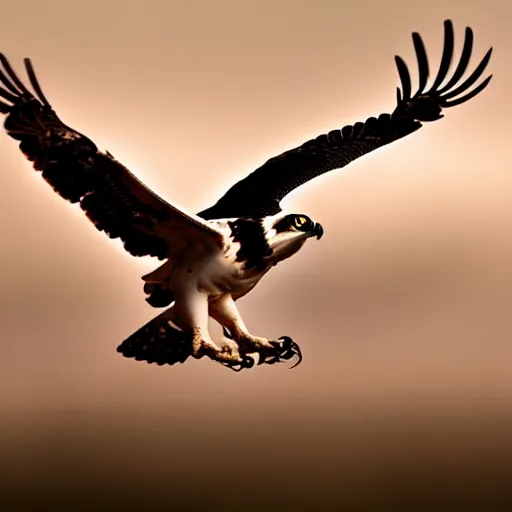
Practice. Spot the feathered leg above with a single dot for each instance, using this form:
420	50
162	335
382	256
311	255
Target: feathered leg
164	341
192	315
224	311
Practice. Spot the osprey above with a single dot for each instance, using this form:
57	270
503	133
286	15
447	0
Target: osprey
214	258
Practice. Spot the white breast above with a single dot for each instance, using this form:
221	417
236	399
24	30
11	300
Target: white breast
217	273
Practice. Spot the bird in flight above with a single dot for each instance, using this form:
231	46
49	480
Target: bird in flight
215	257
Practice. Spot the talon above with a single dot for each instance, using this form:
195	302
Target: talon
281	350
299	358
290	349
266	359
248	362
237	366
287	342
285	349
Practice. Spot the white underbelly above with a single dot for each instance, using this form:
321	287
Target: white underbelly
216	275
221	277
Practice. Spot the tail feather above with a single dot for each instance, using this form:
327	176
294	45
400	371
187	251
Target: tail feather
158	342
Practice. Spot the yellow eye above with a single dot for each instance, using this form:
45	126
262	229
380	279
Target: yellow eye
300	221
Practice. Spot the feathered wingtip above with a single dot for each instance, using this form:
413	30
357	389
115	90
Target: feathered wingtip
12	88
427	105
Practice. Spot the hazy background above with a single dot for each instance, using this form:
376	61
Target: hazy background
402	310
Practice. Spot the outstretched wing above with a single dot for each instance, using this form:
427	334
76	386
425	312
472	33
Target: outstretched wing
112	197
260	193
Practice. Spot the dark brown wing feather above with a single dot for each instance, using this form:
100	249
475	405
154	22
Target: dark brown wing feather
112	197
158	342
260	193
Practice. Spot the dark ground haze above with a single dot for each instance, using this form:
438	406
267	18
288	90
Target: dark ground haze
402	310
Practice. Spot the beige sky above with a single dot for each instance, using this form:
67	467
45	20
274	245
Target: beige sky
402	310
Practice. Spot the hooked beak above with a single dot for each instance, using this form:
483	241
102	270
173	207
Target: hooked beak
318	231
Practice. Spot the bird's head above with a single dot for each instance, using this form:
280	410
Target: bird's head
286	234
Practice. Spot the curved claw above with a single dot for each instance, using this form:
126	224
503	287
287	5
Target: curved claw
237	366
292	350
286	349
